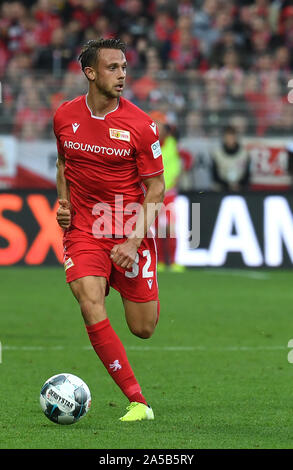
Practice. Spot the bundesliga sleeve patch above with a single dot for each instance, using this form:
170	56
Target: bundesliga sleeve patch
119	134
68	264
156	149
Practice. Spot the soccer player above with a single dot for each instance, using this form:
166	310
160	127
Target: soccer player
110	185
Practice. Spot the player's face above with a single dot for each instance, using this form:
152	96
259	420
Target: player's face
230	139
110	72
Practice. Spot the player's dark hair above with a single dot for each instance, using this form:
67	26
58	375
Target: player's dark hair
89	53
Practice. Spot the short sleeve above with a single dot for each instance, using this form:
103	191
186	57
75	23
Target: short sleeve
149	155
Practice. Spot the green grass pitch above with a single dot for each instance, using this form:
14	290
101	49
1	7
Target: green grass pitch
216	371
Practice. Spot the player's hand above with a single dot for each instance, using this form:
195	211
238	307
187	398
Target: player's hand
123	254
64	214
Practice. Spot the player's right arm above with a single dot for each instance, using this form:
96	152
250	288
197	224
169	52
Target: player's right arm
64	210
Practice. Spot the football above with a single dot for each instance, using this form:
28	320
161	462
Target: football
65	398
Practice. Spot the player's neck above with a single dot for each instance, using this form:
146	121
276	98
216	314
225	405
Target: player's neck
99	104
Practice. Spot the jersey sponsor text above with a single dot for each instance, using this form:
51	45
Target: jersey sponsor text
119	152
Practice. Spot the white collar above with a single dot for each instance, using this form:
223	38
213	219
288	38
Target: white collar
99	117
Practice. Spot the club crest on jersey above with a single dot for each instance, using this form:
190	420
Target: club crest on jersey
75	126
119	134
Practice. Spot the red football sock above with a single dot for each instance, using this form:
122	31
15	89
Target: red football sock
111	351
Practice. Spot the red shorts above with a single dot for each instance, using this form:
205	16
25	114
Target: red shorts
85	255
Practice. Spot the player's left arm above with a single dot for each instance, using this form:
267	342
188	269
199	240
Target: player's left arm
124	254
64	211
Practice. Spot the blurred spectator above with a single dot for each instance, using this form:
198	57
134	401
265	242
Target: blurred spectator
282	61
134	17
266	104
242	26
103	28
168	96
141	50
286	25
260	43
56	57
86	13
214	116
230	71
47	19
143	86
32	118
214	109
204	19
242	122
186	8
228	41
74	84
14	14
165	227
282	125
230	163
164	26
185	52
204	63
194	125
74	34
223	21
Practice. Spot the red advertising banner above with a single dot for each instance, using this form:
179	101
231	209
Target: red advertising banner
247	230
29	233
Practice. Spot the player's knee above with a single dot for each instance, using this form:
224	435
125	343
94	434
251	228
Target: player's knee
92	311
144	331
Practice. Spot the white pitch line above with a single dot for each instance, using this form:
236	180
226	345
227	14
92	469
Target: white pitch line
258	275
32	348
152	348
206	348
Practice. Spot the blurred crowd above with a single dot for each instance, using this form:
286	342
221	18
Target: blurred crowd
207	64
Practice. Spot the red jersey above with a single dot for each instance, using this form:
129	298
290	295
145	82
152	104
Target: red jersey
106	160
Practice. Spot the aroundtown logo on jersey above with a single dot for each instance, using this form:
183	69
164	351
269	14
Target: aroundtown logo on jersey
118	152
75	126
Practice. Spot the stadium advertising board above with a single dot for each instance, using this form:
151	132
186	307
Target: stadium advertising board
29	233
8	160
252	230
32	164
269	163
